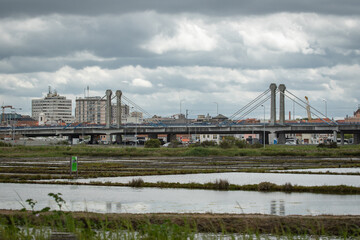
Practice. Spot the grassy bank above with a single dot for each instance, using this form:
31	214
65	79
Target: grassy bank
221	185
118	151
17	225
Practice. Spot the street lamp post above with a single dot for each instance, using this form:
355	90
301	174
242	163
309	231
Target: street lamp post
182	100
136	116
325	107
217	108
264	126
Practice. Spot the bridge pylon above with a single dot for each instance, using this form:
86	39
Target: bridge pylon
273	104
108	117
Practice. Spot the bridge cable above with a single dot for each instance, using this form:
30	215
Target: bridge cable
249	104
253	108
310	108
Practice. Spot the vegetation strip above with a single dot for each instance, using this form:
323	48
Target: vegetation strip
197	151
220	184
343	226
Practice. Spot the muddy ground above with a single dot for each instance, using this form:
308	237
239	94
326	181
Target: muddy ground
58	167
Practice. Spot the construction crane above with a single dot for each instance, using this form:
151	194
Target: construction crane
3	112
308	108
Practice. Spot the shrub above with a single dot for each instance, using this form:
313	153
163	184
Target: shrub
3	144
208	143
240	143
228	142
287	187
152	143
197	152
265	186
225	144
175	144
221	184
256	145
136	182
329	145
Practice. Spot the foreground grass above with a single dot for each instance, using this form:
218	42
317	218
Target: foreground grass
24	225
116	151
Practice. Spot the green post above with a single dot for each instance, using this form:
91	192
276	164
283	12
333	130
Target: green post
74	165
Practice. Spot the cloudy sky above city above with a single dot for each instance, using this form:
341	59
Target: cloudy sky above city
202	53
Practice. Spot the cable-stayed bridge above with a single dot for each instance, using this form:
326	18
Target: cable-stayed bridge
275	128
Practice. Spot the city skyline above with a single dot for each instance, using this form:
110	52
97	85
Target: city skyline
162	54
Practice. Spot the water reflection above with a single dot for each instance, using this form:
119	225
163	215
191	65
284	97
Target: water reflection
277	207
153	200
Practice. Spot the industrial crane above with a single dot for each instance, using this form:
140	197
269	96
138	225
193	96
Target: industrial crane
3	112
308	108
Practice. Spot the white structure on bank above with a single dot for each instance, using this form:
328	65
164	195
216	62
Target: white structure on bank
53	108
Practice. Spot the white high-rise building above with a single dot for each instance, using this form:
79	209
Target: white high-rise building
90	110
93	110
54	109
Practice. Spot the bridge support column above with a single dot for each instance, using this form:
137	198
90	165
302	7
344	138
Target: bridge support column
356	138
273	104
109	138
171	137
342	137
282	104
118	108
261	138
152	136
108	108
281	138
93	139
271	137
70	139
335	136
118	139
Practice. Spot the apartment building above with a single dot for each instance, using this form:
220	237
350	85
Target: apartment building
53	107
90	110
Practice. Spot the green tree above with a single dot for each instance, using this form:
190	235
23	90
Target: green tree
152	143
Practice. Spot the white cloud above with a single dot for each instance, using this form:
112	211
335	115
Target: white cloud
137	82
190	35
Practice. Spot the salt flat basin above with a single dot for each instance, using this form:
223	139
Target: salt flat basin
323	170
105	199
241	178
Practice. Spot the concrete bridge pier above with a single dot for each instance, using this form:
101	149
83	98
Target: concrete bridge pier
171	137
109	138
281	138
118	138
92	139
261	137
342	138
70	139
271	137
356	138
335	136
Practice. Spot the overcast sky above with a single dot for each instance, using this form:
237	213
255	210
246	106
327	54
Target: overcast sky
202	53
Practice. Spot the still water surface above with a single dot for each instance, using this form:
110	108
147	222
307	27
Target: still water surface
240	178
105	199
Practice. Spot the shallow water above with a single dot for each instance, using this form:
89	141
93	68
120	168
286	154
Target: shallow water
240	178
324	170
106	199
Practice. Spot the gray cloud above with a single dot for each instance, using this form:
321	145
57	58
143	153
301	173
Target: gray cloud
208	7
159	52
